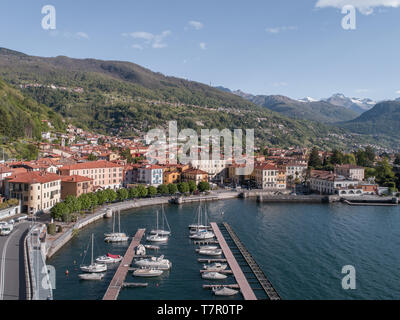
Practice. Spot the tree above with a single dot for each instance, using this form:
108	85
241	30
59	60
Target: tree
370	154
337	157
397	159
59	210
349	159
85	202
183	187
93	200
122	194
111	195
92	157
133	193
315	160
192	186
172	188
163	189
384	172
151	191
73	204
142	191
204	186
101	197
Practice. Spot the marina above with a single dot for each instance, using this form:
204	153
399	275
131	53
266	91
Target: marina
290	243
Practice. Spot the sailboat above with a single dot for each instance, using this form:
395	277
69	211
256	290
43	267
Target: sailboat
94	267
201	231
199	224
158	235
162	231
116	236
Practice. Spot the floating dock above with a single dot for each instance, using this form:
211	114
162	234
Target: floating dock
117	281
261	278
246	290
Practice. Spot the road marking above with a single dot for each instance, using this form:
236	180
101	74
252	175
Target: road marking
3	264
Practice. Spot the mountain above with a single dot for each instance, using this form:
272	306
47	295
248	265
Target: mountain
123	98
307	109
308	99
21	117
356	104
383	119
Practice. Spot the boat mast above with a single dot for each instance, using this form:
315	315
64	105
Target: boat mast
119	221
92	249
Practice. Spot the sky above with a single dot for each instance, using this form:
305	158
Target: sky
296	48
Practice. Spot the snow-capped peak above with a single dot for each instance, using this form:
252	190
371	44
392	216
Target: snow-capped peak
308	99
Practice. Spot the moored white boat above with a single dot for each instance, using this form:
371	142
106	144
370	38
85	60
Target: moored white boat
151	247
94	267
208	248
202	235
215	266
159	263
140	250
148	273
161	231
224	291
91	276
115	238
109	258
213	276
157	238
217	252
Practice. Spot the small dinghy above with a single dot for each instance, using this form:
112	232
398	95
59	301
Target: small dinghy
218	291
109	258
91	276
215	267
213	276
217	252
148	273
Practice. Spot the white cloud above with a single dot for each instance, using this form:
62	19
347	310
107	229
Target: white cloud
196	25
398	91
82	35
137	46
364	6
155	41
203	45
277	30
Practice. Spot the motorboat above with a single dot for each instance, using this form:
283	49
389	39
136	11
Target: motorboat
109	258
116	236
224	291
213	276
202	235
161	231
208	248
94	267
91	276
148	273
157	238
140	250
215	266
159	263
217	252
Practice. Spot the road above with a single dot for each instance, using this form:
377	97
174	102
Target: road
12	271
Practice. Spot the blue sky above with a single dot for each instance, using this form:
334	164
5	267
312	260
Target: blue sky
288	47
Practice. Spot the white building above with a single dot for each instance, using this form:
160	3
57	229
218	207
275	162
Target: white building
151	175
325	182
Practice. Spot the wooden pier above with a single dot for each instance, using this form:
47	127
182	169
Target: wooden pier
117	281
246	290
261	277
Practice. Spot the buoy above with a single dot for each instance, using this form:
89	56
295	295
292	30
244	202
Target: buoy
74	261
66	272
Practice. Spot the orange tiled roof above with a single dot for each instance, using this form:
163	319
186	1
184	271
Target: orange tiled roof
75	178
91	165
34	177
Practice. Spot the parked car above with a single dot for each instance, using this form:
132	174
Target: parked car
22	218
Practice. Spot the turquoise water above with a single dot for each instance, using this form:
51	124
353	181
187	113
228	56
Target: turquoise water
300	247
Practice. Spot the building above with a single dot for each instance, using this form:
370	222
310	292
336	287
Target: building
151	175
296	171
213	167
266	177
171	177
75	186
195	175
326	182
350	171
105	175
37	191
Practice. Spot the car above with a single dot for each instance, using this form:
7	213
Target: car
12	221
22	218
